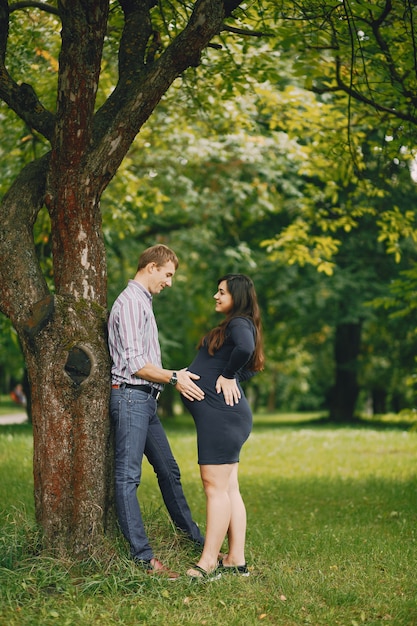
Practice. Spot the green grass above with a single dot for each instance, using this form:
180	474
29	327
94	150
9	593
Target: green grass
332	536
7	406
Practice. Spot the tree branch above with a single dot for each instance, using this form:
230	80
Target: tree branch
21	99
360	97
244	32
4	29
230	6
26	104
21	281
126	110
16	6
387	65
137	31
84	26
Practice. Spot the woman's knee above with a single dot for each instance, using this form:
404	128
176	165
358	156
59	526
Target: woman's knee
215	477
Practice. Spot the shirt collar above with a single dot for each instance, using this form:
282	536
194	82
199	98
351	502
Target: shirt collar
136	285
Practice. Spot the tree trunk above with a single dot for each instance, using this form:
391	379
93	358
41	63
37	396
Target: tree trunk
68	367
379	401
63	336
345	391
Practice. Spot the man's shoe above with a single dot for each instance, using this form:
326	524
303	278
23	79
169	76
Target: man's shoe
154	567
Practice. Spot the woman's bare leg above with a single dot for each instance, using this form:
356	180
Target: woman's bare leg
237	527
216	481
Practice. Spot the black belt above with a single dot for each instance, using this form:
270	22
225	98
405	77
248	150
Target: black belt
153	391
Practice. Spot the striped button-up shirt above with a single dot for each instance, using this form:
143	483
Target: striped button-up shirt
133	335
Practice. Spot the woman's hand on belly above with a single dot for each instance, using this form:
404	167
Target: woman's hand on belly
230	390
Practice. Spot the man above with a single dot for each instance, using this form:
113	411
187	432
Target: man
137	380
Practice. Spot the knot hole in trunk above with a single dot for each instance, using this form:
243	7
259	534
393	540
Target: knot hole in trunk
78	365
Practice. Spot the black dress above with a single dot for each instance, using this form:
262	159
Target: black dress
221	429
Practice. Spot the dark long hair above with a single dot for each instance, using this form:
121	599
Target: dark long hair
245	304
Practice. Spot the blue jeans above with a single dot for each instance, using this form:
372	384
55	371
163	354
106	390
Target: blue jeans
139	431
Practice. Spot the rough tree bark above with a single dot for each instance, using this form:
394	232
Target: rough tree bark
62	331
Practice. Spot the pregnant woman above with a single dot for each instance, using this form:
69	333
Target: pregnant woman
231	352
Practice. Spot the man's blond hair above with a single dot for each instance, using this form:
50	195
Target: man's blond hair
159	255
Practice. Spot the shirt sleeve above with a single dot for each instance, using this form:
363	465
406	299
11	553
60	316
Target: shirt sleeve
132	320
243	374
241	333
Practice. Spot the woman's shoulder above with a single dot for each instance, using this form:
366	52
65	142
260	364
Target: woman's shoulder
240	326
241	321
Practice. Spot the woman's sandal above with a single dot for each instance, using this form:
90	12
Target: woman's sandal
202	574
237	570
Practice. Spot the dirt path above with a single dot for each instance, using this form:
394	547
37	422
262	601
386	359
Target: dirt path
13	418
